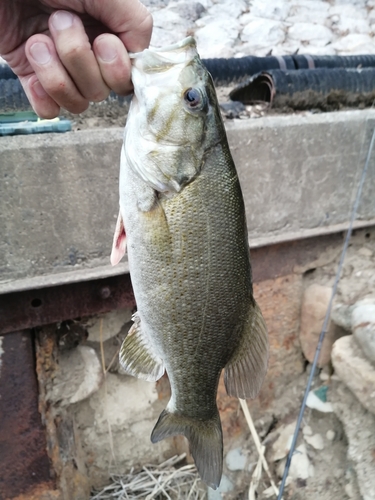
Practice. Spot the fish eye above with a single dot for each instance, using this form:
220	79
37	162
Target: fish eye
194	98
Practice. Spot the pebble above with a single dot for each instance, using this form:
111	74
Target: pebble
330	435
316	441
316	403
235	460
281	446
300	466
307	431
225	486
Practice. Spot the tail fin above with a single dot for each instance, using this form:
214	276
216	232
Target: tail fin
205	438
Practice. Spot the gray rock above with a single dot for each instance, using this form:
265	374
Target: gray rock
235	460
106	326
359	427
260	34
225	486
216	36
342	315
355	370
190	11
355	44
277	10
314	34
313	311
363	326
80	374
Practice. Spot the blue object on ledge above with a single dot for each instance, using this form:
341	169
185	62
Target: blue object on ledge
14	127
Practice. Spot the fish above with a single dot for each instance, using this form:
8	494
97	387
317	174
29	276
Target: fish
182	223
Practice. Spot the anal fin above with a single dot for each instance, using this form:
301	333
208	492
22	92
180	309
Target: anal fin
119	241
245	371
137	357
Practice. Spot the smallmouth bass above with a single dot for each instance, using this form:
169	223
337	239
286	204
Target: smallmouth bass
182	220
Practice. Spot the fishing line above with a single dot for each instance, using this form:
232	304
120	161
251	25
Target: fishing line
327	317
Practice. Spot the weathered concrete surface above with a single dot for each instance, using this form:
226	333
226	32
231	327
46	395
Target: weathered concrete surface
59	193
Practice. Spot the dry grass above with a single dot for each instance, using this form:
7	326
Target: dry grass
156	482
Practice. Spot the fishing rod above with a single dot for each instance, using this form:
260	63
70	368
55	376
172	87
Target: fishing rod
327	316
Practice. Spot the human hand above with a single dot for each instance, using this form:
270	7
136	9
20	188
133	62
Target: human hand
67	58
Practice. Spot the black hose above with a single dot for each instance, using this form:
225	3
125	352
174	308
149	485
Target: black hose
322	88
6	72
225	71
13	97
236	69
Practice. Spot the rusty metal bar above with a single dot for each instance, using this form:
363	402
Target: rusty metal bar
30	308
24	464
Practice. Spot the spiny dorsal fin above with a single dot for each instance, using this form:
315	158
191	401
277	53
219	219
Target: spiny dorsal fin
205	439
137	357
119	241
245	372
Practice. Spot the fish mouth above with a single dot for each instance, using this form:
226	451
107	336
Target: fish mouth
154	60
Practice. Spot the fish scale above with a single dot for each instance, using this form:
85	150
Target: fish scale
182	216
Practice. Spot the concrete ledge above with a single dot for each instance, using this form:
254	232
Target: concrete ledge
59	193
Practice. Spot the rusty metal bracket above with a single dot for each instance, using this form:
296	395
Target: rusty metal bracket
31	308
24	463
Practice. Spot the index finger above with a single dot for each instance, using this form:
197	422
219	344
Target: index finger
128	19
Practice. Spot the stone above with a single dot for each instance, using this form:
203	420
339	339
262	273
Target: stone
366	252
78	376
115	425
169	27
316	403
355	370
229	8
330	435
359	428
313	311
355	44
235	460
277	10
314	34
190	11
316	441
347	25
308	12
217	36
106	326
225	487
260	34
300	466
363	326
307	431
281	446
341	314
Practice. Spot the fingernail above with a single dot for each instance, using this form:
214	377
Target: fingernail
106	51
62	20
40	53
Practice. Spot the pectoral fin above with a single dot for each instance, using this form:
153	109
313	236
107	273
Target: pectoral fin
119	241
137	357
245	372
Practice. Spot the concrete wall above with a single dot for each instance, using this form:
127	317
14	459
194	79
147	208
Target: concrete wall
59	193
